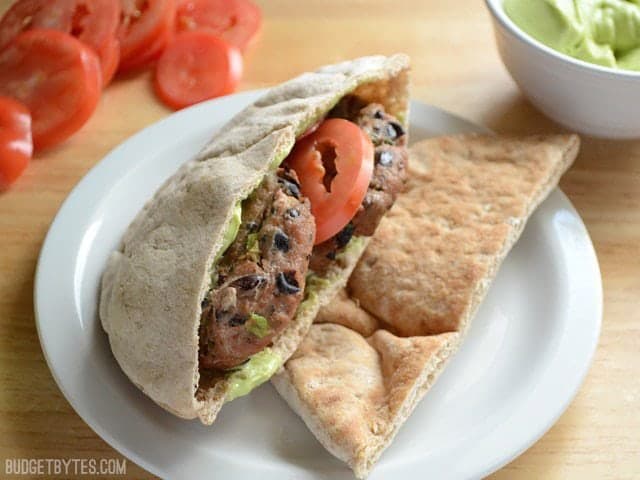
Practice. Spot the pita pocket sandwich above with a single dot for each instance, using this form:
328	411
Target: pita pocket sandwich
219	277
376	350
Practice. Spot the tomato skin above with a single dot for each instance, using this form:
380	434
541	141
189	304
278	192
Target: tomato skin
150	54
350	150
145	30
16	146
26	14
197	66
57	77
235	21
93	22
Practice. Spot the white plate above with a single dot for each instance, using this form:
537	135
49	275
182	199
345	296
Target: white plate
525	356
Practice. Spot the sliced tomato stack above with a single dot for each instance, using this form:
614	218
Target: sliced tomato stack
93	22
56	77
57	55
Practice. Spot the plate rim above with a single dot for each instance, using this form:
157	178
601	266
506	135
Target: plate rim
110	160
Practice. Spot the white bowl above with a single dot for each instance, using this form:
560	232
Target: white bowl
584	97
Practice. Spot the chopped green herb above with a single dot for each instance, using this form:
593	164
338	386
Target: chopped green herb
257	325
253	246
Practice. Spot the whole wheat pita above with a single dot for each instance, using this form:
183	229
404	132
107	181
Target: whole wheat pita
423	276
152	288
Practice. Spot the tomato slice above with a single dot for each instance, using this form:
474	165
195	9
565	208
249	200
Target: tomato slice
150	54
236	21
16	146
334	164
56	76
93	22
145	30
26	14
197	66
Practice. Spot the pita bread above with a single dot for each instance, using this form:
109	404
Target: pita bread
346	311
424	274
468	201
154	284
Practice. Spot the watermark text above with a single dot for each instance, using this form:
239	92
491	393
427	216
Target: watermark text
65	466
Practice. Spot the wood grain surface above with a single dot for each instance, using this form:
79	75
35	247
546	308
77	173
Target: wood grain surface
456	67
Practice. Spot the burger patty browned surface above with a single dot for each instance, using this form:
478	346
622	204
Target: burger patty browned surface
389	175
261	276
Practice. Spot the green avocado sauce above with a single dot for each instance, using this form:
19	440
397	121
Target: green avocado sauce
315	284
256	371
232	229
229	236
604	32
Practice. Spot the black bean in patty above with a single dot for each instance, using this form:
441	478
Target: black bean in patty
238	320
344	235
249	282
281	241
287	283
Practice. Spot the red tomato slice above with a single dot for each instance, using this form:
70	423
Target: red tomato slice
195	67
145	29
334	164
236	21
57	77
150	54
93	22
16	146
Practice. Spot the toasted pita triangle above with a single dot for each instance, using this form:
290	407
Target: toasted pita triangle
423	275
354	393
435	254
